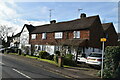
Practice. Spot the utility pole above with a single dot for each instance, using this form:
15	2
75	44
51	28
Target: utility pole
79	12
50	14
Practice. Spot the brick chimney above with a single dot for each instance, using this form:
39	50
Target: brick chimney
53	21
83	15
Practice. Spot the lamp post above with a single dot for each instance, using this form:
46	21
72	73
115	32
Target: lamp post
103	40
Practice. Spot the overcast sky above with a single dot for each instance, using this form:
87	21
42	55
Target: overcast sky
16	14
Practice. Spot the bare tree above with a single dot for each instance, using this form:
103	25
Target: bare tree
4	32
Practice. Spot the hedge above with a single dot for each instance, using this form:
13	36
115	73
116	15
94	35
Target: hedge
68	60
43	54
112	62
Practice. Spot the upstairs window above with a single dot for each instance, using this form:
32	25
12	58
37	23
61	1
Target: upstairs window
58	35
44	36
76	34
33	36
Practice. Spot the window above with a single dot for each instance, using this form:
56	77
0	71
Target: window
76	34
44	36
58	35
33	36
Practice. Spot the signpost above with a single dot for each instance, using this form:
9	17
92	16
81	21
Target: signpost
103	40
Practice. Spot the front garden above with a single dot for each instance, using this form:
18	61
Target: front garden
111	61
56	59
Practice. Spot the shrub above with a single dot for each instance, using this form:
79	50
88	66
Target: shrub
50	57
112	62
68	60
25	50
57	53
43	54
69	56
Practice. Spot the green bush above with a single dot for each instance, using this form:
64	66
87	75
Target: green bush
50	57
68	60
112	62
43	54
69	56
57	53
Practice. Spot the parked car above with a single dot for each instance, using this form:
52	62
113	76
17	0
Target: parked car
12	49
82	58
94	58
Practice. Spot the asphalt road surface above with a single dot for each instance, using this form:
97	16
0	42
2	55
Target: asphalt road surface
12	68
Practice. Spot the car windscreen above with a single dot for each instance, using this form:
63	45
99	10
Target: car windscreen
95	55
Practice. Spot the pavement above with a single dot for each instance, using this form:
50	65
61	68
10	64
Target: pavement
70	72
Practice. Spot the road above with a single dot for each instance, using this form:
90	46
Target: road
15	68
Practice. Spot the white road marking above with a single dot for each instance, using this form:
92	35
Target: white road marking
2	63
22	74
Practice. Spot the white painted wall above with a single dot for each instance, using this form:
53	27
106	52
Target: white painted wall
24	37
48	48
51	49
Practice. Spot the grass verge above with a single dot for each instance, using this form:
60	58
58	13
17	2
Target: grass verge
45	60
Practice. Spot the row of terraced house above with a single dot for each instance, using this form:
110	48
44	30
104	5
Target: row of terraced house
81	34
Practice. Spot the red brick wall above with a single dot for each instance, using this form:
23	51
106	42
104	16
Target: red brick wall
84	34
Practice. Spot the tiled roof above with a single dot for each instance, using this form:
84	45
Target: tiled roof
84	23
29	27
106	26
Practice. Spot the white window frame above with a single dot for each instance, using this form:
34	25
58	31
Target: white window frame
76	34
33	36
58	35
44	35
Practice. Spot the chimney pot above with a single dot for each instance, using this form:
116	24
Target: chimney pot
83	15
53	21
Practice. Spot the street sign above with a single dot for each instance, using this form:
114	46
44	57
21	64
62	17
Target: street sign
103	39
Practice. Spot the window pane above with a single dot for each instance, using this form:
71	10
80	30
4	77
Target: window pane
76	34
43	35
33	36
58	35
